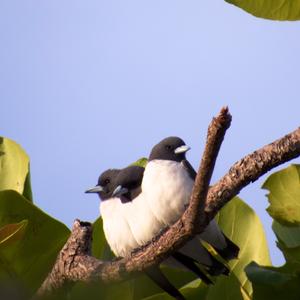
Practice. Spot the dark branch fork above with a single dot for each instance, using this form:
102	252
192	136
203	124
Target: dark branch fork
75	263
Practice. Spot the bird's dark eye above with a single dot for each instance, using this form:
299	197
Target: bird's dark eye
168	147
106	181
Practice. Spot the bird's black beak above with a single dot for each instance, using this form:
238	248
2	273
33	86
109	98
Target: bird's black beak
182	149
96	189
119	190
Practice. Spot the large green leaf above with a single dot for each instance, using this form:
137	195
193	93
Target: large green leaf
284	198
290	235
270	9
273	283
100	291
32	255
14	168
289	243
284	195
240	223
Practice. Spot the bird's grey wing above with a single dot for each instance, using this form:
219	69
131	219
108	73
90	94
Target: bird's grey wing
189	168
221	243
213	234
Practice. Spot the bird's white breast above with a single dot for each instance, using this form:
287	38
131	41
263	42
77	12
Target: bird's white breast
167	187
143	223
116	228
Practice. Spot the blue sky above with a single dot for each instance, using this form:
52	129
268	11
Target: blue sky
85	86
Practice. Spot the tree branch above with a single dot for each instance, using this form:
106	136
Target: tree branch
194	214
75	263
250	168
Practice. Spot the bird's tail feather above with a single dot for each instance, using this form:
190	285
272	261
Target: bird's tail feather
197	253
219	241
231	251
156	275
217	268
195	250
190	264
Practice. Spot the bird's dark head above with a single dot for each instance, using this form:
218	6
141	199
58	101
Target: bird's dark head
128	183
171	148
106	184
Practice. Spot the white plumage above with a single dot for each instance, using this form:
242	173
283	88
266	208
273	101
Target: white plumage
132	224
143	223
168	187
116	228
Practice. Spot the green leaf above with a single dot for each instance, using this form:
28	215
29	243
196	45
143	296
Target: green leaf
284	198
270	9
144	288
142	162
284	195
100	247
289	235
11	233
29	259
292	256
27	192
14	168
100	291
192	291
240	223
273	283
267	275
289	243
